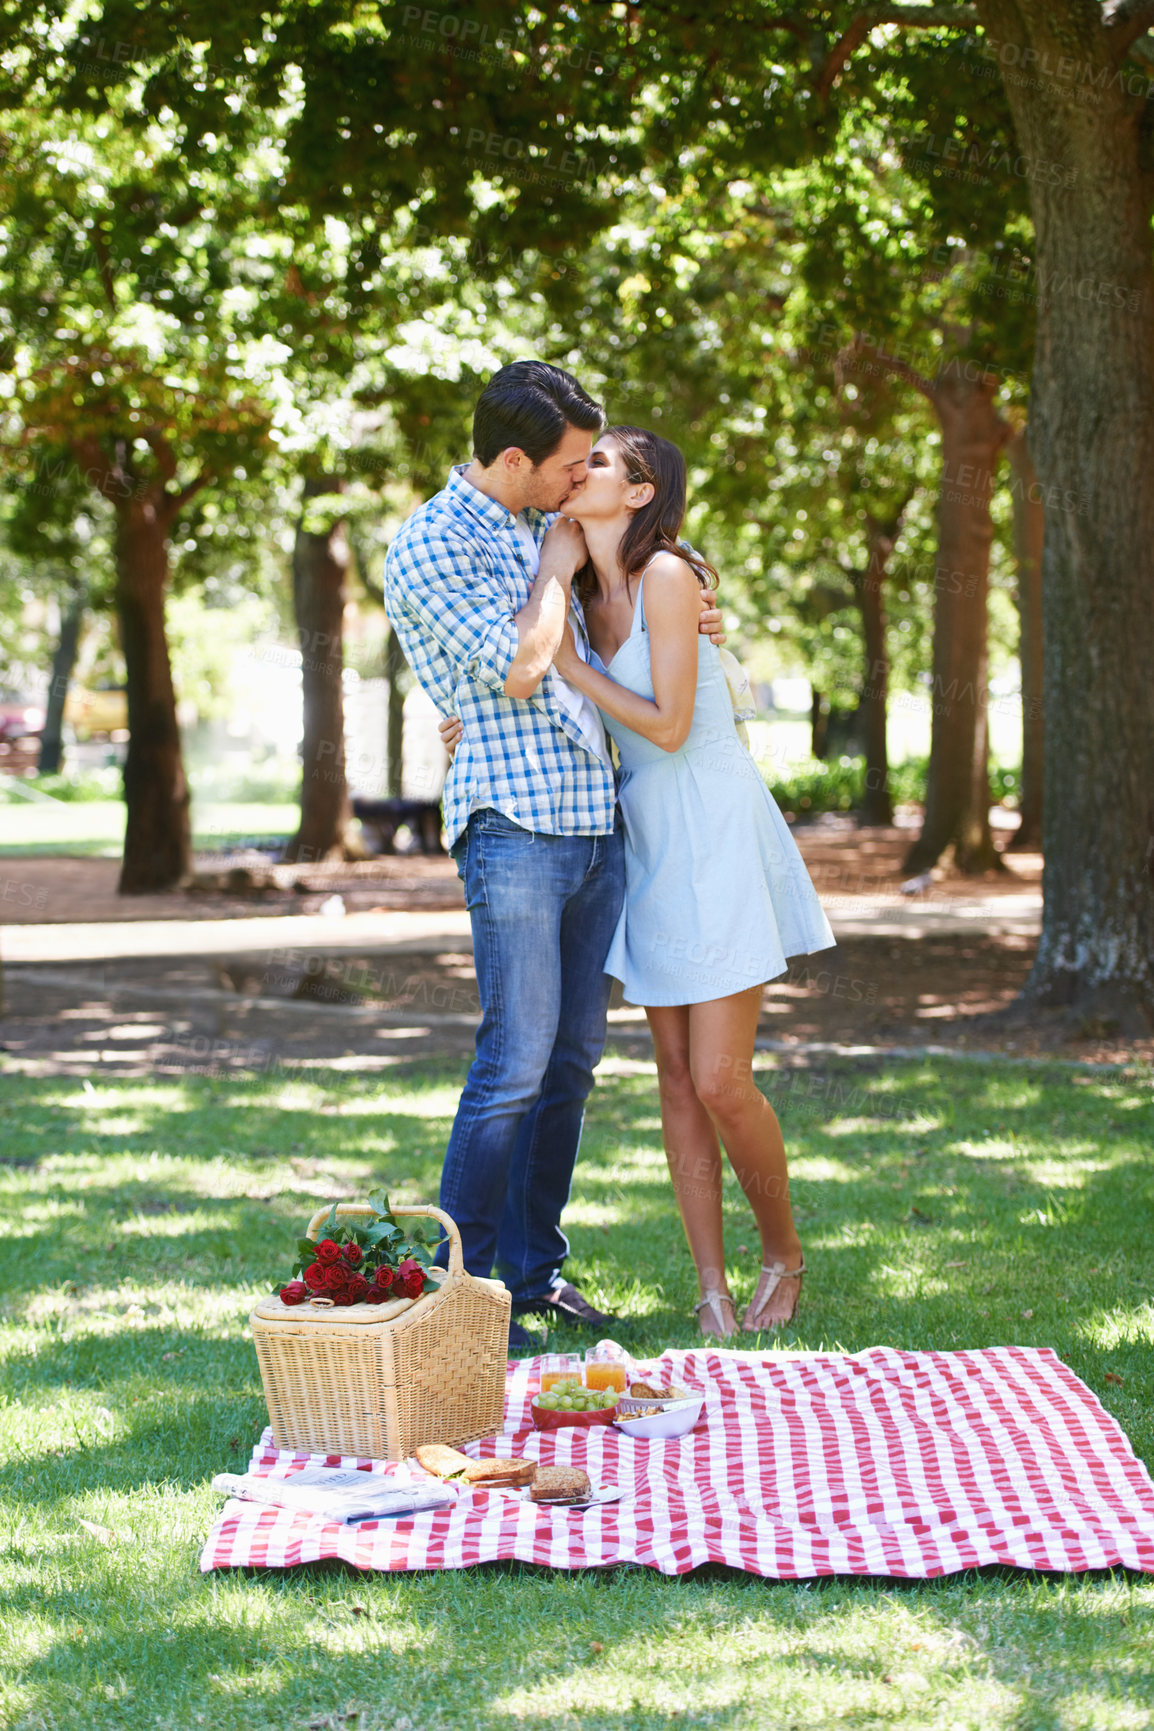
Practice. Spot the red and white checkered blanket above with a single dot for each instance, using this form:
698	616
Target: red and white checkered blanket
878	1463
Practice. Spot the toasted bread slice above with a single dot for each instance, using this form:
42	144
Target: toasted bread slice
449	1463
446	1463
557	1484
511	1471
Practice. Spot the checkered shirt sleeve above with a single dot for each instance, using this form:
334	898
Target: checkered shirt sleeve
453	585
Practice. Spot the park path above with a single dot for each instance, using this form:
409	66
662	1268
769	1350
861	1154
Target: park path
404	932
213	978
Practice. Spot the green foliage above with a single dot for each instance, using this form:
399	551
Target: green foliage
838	784
300	250
78	787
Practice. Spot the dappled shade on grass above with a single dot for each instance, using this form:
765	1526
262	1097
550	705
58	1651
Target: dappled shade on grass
940	1206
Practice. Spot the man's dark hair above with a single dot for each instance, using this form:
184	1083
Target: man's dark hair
529	404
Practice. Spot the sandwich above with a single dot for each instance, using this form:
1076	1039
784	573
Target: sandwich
652	1391
560	1485
447	1463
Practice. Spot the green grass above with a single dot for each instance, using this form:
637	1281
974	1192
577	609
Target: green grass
97	826
145	1217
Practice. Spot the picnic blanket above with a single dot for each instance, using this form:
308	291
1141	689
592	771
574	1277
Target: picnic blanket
911	1464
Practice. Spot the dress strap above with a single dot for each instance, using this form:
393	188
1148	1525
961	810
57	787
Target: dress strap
639	605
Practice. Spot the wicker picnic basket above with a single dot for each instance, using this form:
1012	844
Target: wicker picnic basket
377	1381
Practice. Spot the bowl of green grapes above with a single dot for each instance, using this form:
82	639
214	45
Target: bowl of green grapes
570	1403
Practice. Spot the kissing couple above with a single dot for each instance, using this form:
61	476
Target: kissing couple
547	605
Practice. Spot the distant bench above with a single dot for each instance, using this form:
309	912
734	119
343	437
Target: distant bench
382	818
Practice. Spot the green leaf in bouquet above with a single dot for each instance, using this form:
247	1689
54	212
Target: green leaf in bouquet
380	1201
307	1247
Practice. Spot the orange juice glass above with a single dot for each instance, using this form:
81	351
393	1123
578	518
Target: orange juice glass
602	1372
559	1367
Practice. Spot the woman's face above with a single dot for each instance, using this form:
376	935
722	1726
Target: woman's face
606	492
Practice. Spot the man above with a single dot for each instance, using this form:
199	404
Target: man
478	587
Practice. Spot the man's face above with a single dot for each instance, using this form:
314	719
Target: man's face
551	481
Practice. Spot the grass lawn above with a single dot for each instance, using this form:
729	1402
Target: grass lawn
146	1217
97	826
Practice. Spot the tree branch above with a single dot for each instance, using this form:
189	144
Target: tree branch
174	503
104	264
110	479
1126	20
911	17
791	21
161	450
851	357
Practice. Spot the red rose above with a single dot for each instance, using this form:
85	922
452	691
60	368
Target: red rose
409	1266
294	1293
336	1278
357	1288
375	1296
384	1277
342	1297
414	1284
352	1253
328	1250
315	1276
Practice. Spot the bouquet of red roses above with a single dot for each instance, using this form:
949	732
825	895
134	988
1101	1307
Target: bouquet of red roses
367	1263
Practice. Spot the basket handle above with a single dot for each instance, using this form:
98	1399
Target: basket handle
362	1211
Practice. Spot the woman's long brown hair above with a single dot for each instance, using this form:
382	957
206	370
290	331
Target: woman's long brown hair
655	527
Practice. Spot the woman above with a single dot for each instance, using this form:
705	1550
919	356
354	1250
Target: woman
717	895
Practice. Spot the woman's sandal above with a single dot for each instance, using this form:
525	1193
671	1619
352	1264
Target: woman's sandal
713	1302
753	1322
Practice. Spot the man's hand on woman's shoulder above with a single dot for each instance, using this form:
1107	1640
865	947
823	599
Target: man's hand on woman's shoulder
710	622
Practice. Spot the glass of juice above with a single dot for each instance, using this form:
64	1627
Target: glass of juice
604	1369
559	1367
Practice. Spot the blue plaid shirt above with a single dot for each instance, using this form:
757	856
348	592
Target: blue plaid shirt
455	578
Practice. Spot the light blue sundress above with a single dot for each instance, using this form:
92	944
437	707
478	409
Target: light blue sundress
716	893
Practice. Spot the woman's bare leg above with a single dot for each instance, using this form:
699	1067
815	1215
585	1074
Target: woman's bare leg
721	1037
694	1157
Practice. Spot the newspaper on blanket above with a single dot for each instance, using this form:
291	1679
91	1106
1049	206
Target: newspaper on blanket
336	1493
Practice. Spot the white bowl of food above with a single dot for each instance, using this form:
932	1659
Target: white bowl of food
668	1419
639	1396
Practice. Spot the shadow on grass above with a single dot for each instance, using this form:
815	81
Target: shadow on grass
314	1639
940	1207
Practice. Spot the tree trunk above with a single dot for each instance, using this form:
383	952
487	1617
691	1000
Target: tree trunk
1092	441
157	836
63	665
394	665
320	565
818	724
1029	527
878	805
958	788
395	723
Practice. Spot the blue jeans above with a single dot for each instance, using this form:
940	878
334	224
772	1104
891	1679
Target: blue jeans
543	910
